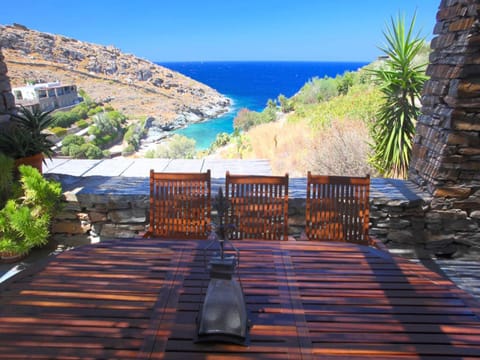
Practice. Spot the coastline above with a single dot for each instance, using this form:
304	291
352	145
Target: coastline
163	132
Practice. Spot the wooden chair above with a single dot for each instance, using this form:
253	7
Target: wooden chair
257	206
337	208
180	205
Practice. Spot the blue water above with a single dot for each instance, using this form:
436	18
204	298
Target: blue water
250	85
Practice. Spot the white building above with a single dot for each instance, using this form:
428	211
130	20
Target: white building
48	96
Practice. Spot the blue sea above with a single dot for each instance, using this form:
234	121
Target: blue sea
250	85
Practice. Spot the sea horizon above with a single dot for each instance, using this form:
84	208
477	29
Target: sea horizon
250	84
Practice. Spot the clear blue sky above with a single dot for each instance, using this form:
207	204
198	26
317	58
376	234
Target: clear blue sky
203	30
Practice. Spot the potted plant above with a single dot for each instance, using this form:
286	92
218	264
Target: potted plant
25	140
25	218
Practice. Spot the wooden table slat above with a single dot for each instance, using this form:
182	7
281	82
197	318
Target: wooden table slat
139	298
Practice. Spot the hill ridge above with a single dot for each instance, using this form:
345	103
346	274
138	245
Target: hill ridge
133	85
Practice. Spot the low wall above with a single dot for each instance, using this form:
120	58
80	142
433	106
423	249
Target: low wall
99	207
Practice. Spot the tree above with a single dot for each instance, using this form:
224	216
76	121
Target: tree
401	82
245	119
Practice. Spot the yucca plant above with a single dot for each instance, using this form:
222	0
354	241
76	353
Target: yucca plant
401	82
26	136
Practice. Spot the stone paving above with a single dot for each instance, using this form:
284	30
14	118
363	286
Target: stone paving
127	167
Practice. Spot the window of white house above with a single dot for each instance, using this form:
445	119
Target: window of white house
18	95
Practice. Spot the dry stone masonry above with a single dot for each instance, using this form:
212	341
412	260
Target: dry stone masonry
99	207
7	101
446	152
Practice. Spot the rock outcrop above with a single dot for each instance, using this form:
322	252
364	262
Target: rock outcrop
132	85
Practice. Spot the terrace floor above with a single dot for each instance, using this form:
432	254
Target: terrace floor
139	298
465	272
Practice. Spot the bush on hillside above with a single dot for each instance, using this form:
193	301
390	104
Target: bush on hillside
361	103
345	82
222	139
178	147
286	104
133	135
58	131
64	119
341	149
246	119
317	90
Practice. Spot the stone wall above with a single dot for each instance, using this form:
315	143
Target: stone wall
446	151
7	101
115	207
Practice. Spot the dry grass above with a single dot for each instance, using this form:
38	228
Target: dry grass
339	149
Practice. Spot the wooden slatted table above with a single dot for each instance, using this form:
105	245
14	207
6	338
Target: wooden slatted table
139	298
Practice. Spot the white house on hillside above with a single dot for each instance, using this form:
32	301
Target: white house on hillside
48	96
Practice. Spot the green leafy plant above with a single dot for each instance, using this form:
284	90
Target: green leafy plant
6	180
25	219
401	81
26	136
179	147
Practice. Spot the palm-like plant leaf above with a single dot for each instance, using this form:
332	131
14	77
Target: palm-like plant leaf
26	137
401	84
33	120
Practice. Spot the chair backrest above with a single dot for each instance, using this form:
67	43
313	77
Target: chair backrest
257	206
337	208
180	205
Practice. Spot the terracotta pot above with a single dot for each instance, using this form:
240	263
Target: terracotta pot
34	161
10	257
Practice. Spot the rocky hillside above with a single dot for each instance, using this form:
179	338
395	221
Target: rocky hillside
132	85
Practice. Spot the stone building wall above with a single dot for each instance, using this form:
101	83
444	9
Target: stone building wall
7	101
446	151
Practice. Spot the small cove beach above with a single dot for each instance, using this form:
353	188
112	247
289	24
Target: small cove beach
250	84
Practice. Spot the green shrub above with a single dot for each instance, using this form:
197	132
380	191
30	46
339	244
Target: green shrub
222	139
133	135
91	151
82	124
345	82
25	220
286	105
245	118
71	145
150	154
361	103
317	90
59	131
81	110
94	110
73	139
64	119
6	180
178	147
128	150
